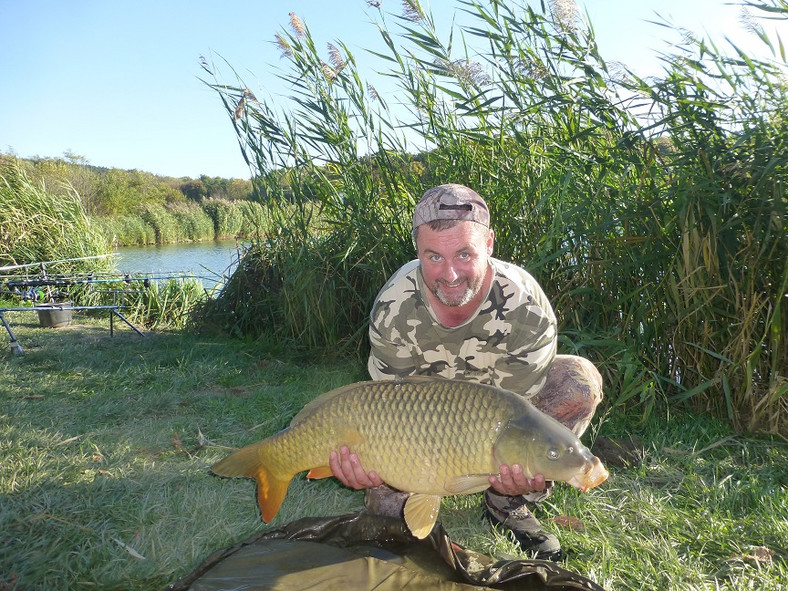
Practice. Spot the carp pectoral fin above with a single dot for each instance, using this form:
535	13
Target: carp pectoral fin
348	436
468	483
319	472
421	513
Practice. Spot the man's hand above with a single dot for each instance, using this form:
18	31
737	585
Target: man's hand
347	469
512	482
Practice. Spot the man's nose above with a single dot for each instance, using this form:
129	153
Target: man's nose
449	274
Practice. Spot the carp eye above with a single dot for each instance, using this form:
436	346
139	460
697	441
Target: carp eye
553	453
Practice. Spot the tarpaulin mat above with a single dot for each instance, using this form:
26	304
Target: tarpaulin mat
366	551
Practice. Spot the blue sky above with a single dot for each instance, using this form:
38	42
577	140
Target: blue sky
119	82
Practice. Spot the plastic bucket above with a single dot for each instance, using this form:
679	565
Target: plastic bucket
60	315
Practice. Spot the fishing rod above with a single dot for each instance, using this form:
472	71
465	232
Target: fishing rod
54	281
45	275
42	263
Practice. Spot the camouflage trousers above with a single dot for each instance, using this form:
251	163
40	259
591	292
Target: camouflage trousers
571	394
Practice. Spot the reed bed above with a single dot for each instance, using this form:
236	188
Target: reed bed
212	219
651	210
37	225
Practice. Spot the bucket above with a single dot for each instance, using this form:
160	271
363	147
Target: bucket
56	317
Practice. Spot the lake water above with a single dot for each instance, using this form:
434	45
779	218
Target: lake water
206	260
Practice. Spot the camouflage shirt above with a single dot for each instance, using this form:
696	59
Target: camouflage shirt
510	340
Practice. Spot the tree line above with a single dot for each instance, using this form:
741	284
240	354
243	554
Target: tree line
114	191
134	207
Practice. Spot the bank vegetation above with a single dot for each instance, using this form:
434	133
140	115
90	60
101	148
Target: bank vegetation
135	208
651	210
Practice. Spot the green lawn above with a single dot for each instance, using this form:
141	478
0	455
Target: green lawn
105	445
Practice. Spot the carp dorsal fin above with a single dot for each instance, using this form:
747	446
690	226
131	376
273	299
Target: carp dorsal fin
418	379
468	483
421	513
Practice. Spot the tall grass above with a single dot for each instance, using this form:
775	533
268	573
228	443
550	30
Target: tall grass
653	211
165	305
727	275
127	230
38	225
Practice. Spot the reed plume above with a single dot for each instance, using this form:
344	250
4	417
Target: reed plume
297	25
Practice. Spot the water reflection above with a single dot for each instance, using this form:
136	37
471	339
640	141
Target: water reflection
206	260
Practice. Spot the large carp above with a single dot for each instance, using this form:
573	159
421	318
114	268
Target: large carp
430	437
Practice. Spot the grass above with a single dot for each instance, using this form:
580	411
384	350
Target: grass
106	442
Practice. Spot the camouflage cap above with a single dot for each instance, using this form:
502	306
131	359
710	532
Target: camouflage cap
451	202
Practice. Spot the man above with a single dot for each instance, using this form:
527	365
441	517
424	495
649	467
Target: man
456	312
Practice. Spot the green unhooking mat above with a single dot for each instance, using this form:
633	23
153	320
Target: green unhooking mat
363	552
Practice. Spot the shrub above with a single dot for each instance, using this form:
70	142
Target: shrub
226	215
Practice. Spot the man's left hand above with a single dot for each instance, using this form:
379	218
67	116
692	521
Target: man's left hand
512	482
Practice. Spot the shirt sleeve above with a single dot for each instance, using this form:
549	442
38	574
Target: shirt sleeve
528	328
523	369
388	360
391	347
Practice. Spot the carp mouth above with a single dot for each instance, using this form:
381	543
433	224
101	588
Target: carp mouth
594	476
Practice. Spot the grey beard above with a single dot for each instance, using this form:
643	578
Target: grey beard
466	297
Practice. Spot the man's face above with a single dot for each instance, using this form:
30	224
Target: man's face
454	261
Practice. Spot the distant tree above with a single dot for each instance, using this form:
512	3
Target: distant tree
215	186
65	175
83	178
238	189
76	159
116	194
193	189
52	172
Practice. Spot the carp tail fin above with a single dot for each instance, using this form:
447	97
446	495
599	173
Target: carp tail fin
271	492
271	488
239	463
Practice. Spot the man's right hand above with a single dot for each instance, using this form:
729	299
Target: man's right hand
347	469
